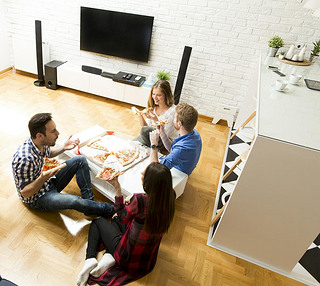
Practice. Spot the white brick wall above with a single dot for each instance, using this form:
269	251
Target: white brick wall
227	38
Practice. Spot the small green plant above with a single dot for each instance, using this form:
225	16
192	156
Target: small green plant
282	53
162	75
316	49
275	42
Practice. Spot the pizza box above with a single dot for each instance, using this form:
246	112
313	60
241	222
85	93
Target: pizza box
113	143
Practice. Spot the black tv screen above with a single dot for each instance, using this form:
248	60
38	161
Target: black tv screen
115	33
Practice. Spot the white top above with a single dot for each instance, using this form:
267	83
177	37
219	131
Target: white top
292	115
169	129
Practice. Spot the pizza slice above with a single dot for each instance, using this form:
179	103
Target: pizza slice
159	123
97	144
50	163
126	156
100	158
108	173
140	112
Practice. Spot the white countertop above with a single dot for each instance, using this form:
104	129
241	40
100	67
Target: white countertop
292	115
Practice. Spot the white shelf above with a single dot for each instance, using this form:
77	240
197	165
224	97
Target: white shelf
272	215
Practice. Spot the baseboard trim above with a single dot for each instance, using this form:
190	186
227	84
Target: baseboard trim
5	70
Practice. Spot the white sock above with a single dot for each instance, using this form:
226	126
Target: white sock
83	276
105	263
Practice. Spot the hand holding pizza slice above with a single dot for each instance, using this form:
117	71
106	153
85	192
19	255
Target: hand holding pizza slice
159	123
108	173
140	112
51	164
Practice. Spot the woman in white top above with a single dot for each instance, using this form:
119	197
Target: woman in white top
161	107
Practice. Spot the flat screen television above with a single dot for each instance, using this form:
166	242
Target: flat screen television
115	33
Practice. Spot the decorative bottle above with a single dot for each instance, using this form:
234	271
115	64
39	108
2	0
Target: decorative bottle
290	53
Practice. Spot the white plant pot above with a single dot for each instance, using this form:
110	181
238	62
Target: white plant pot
272	52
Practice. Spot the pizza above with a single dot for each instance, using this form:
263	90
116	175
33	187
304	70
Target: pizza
50	163
126	156
97	144
140	112
100	158
108	173
159	123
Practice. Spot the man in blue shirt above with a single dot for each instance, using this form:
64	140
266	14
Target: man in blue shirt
43	191
184	150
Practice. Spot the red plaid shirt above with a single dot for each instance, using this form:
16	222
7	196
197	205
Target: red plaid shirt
136	254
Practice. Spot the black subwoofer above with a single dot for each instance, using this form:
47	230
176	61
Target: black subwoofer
51	74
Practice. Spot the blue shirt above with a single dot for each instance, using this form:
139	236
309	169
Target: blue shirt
27	166
185	152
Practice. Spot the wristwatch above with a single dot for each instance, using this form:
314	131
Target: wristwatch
154	146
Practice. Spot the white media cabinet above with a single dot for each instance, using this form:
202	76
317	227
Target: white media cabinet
72	76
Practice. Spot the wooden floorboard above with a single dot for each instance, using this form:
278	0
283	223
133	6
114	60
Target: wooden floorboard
38	249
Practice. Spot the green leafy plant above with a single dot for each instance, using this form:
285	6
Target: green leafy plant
316	49
162	75
275	42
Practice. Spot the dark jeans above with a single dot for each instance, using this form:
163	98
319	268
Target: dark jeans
55	201
102	230
144	137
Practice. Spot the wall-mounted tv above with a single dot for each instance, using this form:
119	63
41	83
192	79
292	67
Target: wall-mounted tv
115	33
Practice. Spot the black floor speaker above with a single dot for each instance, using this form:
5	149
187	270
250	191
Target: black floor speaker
182	73
40	81
51	74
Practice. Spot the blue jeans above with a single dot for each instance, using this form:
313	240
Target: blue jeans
55	201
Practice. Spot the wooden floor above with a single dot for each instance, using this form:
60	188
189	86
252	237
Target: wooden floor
49	248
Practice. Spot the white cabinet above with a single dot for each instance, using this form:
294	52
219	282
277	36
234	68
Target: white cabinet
136	95
72	76
272	216
107	88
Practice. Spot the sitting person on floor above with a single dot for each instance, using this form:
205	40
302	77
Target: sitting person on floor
160	108
186	149
42	191
133	237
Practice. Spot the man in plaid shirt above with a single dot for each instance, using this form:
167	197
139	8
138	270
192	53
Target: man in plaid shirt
43	192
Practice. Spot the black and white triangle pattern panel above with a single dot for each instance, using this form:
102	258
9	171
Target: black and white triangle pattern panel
237	146
310	261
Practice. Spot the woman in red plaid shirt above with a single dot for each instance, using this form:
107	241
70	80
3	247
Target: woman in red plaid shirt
133	237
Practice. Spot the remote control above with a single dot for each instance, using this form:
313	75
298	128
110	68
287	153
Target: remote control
129	75
137	77
272	68
279	73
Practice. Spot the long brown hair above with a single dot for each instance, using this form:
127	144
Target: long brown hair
157	183
165	87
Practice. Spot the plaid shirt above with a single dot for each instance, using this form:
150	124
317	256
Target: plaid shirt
136	254
27	165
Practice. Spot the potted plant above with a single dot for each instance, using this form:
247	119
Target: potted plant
274	44
282	54
315	51
162	75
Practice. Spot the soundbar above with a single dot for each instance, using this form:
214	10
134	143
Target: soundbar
129	78
107	74
92	70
